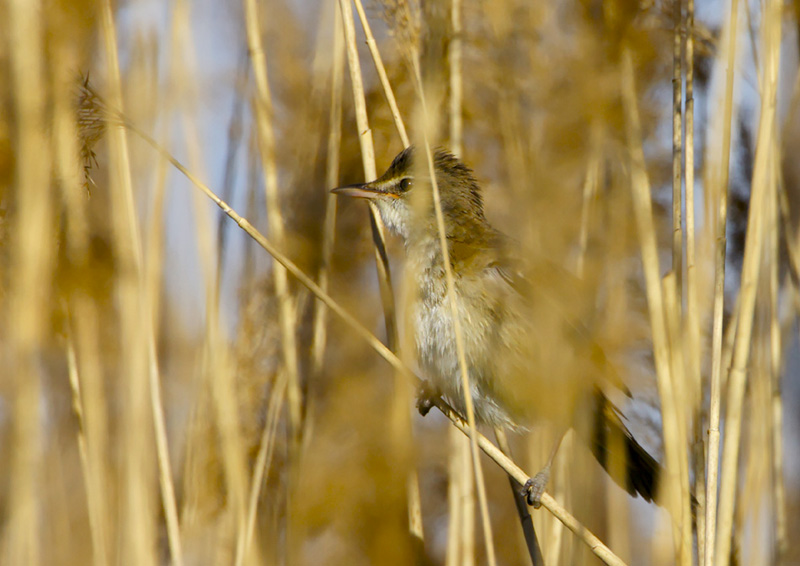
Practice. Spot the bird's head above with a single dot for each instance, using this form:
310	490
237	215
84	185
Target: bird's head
405	202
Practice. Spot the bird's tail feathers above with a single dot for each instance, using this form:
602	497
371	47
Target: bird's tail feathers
614	447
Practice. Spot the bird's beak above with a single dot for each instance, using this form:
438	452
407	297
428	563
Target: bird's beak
360	190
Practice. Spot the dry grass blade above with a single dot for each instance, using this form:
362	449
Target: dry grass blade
677	148
400	414
370	172
32	262
762	188
460	502
152	277
776	366
456	86
461	493
387	88
331	180
262	464
719	197
589	191
87	401
693	340
142	340
644	219
457	331
89	475
266	136
677	345
138	531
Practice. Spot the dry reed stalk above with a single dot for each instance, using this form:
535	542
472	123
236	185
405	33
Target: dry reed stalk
414	501
617	502
677	149
403	393
400	417
152	274
218	359
678	367
216	387
643	212
370	172
82	361
674	297
89	389
152	278
96	529
219	369
457	331
776	366
454	479
791	238
138	540
426	123
728	340
466	541
779	489
234	139
751	36
460	494
31	262
249	271
761	190
460	502
563	493
589	191
183	68
752	507
266	137
456	84
692	320
263	460
319	323
162	451
617	506
387	88
719	189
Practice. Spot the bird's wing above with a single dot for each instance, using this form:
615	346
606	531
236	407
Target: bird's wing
550	285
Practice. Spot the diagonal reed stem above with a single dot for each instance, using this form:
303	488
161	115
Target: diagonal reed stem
594	543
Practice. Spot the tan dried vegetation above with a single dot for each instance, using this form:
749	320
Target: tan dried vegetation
261	425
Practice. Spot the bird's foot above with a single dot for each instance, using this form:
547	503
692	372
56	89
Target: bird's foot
425	398
534	487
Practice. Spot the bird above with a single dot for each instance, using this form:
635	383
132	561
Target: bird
519	372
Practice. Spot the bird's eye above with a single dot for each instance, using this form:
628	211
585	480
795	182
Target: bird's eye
405	184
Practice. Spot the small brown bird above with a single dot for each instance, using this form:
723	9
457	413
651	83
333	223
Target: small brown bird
529	358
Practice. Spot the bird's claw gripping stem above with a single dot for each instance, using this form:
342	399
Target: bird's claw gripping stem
534	487
425	398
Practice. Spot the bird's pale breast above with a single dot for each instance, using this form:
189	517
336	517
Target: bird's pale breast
483	329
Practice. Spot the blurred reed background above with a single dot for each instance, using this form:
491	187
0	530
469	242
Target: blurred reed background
169	394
